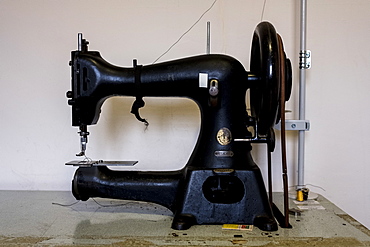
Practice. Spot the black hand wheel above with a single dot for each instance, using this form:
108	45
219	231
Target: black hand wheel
266	63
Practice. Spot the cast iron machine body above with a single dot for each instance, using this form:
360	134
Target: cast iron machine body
220	182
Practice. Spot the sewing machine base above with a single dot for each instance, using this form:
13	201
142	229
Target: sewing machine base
196	196
225	196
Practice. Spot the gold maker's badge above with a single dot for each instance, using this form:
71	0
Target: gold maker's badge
224	136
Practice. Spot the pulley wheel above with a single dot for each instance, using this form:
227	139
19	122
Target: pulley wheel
285	77
266	64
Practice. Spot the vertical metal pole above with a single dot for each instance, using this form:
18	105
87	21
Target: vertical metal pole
79	42
208	37
302	95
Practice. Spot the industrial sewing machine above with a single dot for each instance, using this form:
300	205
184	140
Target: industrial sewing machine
220	183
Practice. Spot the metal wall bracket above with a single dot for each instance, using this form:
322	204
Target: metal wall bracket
294	125
305	59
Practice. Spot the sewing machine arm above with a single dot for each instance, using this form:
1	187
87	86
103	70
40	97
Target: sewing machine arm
94	80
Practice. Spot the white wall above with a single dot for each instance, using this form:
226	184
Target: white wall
36	137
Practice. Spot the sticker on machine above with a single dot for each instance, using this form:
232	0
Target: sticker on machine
203	80
224	136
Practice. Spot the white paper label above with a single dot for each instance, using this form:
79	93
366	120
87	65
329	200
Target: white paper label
203	80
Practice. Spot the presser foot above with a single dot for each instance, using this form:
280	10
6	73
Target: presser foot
80	154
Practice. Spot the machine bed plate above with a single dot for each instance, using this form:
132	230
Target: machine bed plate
90	163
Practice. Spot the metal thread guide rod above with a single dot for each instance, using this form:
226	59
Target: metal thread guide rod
208	37
79	42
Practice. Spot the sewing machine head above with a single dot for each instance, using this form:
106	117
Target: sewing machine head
218	84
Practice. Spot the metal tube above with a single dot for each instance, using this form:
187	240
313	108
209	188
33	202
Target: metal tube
302	94
208	37
79	42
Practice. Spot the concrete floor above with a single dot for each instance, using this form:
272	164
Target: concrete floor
47	219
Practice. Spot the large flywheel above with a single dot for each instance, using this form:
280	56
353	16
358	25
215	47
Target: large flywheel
268	60
267	99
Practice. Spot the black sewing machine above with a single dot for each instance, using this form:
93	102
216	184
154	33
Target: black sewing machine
220	183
